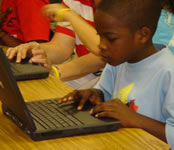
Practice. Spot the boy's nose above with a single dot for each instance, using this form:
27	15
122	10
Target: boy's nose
102	46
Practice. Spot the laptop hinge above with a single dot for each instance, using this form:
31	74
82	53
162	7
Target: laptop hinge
15	119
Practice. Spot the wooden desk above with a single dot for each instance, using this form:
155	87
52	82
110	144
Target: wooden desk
12	138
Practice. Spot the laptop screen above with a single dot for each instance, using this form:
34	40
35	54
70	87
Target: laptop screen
13	101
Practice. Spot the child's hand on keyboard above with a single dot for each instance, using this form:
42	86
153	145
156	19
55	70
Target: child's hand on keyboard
21	51
39	56
95	96
32	49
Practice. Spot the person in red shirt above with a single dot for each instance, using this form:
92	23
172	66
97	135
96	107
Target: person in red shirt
24	23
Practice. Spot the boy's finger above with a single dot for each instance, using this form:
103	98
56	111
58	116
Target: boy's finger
98	108
106	114
82	103
62	100
65	98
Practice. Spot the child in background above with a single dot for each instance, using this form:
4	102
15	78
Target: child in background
24	23
138	81
165	29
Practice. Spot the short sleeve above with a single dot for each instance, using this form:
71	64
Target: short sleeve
65	30
107	81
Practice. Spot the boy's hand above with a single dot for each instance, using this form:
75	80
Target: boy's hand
117	110
95	96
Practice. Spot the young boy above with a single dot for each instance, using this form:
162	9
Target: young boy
140	76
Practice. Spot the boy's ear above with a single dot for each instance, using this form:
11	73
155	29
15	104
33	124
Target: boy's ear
144	34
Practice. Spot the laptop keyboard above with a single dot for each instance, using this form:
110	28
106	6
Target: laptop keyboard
48	114
13	68
17	67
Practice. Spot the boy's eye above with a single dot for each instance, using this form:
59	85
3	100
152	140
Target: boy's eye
111	39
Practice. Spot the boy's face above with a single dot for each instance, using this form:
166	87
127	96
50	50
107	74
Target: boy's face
117	43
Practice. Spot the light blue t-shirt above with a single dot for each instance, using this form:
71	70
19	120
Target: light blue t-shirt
165	30
148	85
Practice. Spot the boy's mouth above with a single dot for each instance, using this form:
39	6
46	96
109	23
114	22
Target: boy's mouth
105	58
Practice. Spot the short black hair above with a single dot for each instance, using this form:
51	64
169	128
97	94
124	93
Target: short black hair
134	13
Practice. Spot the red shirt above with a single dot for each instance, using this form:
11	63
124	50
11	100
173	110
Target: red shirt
26	21
86	10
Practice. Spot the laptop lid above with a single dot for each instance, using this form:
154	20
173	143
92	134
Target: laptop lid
13	101
26	70
15	108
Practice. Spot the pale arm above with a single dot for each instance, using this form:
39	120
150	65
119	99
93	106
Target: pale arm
86	33
59	49
80	67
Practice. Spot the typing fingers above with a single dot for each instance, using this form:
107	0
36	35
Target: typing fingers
83	102
107	109
38	52
38	60
18	51
70	97
11	52
39	56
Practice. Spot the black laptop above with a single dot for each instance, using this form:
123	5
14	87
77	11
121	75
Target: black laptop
46	119
26	70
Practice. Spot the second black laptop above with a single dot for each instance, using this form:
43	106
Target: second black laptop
26	70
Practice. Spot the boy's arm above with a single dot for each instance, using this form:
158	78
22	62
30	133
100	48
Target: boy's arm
80	66
154	127
129	118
